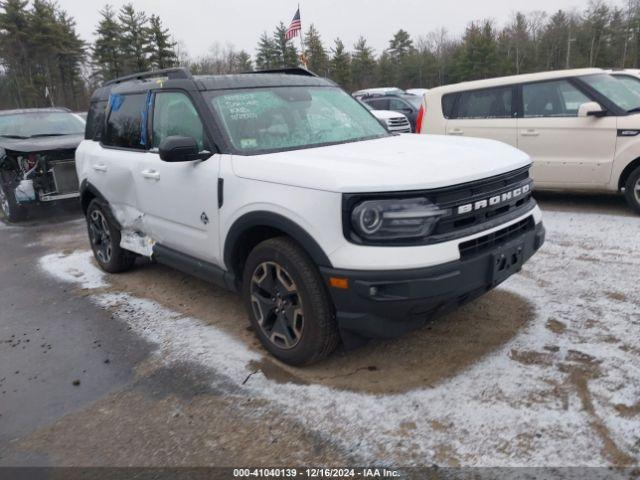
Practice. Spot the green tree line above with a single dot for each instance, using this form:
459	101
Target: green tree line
43	61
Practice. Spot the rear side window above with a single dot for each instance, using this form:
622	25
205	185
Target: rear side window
482	104
557	98
448	102
95	120
124	125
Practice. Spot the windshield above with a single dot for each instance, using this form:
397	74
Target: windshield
40	124
614	90
630	81
288	118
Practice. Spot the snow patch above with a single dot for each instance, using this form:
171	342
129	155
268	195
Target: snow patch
76	267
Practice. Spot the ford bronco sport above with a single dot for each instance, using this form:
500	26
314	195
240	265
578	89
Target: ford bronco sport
283	187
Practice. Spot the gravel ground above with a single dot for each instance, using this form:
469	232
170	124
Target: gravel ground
542	371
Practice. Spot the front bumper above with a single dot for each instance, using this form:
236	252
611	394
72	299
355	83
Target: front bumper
385	304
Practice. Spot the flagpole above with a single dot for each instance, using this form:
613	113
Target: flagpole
302	57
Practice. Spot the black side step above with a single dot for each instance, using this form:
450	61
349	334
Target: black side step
193	266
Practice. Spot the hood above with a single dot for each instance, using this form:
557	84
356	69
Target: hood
386	114
395	163
41	144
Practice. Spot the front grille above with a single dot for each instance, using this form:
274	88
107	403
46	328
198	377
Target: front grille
482	244
453	198
398	122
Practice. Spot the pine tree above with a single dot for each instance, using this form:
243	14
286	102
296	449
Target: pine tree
266	56
317	58
286	52
242	62
478	56
161	48
14	48
134	43
400	46
107	47
363	64
340	67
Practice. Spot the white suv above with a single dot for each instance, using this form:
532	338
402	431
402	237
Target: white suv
580	127
285	188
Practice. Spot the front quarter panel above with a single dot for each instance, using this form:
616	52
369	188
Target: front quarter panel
627	147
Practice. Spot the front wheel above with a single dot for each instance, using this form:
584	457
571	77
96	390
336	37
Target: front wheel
105	241
288	305
632	190
11	209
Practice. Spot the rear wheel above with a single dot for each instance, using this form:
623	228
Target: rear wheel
287	302
105	241
632	190
11	209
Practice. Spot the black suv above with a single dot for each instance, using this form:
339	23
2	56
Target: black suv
409	105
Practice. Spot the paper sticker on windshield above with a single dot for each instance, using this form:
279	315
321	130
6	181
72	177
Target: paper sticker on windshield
246	143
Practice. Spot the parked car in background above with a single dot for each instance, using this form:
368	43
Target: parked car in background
282	187
378	91
408	105
417	91
394	121
580	127
37	148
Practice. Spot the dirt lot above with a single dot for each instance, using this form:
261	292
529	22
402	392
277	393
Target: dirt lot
542	371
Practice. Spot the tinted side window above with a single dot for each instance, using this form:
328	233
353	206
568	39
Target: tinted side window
174	114
448	102
552	99
379	104
489	103
399	105
95	120
124	125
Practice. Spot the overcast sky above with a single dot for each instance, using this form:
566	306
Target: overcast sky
201	23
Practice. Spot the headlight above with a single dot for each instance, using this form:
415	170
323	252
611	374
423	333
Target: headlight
395	219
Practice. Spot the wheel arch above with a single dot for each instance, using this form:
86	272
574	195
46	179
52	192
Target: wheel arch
627	171
254	227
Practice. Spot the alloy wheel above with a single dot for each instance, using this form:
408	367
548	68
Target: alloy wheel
100	236
277	305
636	190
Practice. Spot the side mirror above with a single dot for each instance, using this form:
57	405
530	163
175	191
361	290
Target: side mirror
181	149
591	109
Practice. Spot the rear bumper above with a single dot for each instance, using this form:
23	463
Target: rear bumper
385	304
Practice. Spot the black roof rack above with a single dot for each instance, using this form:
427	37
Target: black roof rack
172	73
288	71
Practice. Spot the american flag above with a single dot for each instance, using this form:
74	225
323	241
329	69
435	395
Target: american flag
294	27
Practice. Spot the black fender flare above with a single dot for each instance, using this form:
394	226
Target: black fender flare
279	222
86	189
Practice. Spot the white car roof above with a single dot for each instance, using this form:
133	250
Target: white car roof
510	80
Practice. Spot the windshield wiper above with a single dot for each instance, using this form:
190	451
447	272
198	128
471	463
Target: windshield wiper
17	137
634	110
49	135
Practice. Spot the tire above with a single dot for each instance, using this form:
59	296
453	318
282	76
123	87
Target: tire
632	190
105	240
11	209
304	331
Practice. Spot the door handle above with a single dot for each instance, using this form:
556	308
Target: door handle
530	133
456	131
151	174
99	167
